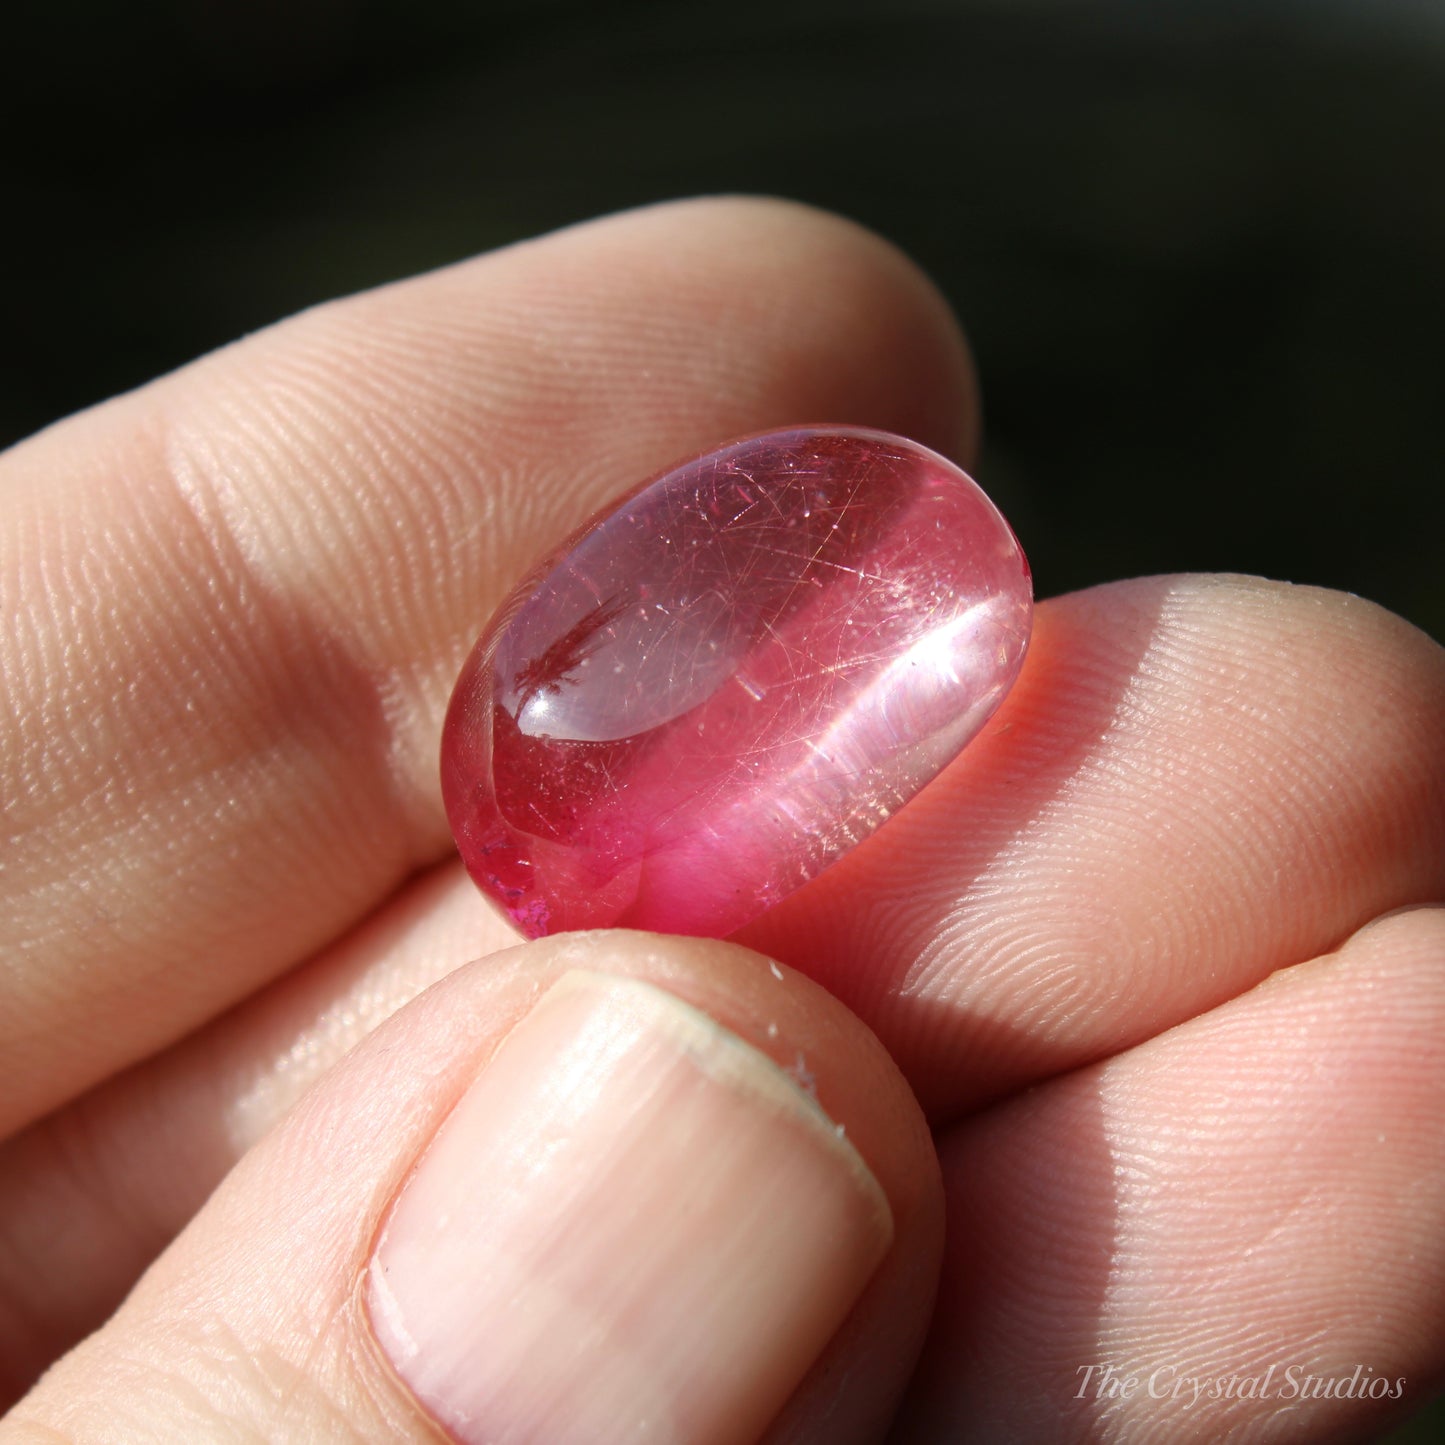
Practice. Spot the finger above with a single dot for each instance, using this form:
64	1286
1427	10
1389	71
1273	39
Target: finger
693	1204
1092	871
1197	780
234	602
1258	1194
128	1163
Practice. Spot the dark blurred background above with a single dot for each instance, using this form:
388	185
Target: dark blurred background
1199	245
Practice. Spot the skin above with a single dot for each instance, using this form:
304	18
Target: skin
1159	960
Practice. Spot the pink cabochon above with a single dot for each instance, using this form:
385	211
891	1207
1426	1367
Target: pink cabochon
729	680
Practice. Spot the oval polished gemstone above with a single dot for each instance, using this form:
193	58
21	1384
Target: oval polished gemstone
726	681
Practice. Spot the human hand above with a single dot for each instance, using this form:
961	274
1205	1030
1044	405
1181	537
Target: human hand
1124	969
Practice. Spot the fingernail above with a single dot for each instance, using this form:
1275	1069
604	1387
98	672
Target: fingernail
633	1226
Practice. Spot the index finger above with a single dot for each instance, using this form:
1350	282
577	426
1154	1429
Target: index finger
234	602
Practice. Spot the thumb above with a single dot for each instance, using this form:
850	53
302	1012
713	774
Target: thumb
604	1187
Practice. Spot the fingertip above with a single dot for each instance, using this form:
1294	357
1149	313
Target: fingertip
297	539
843	290
592	1182
623	1169
1254	1196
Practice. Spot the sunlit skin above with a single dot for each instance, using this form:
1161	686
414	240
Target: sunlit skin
1131	1020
